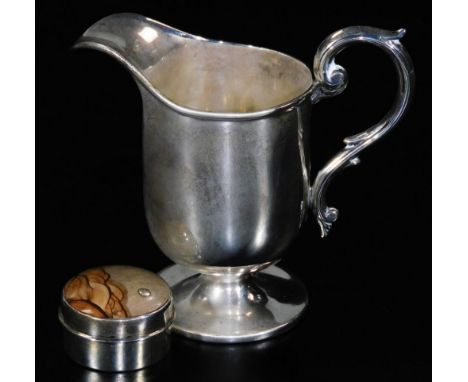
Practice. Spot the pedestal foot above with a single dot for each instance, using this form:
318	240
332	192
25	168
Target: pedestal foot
228	308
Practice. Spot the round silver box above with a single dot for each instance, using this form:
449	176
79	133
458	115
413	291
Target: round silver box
116	318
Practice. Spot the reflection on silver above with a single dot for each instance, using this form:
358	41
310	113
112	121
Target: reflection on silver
144	292
88	375
148	34
332	80
253	306
227	162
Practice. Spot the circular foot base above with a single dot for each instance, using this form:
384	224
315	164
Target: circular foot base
226	308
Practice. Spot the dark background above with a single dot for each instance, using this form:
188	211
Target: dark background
369	281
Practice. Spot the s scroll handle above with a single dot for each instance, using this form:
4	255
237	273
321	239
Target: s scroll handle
331	79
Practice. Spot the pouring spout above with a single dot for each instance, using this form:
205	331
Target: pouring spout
200	77
135	41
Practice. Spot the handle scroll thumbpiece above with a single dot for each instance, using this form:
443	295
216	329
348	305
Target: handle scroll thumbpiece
330	80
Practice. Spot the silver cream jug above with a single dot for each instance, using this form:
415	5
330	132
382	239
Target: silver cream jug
227	181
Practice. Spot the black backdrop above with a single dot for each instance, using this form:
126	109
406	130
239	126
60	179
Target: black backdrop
369	281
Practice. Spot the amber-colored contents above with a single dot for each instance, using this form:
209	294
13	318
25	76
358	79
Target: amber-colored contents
88	308
93	292
115	289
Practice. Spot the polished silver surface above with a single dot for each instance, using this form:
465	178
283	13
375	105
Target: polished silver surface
222	188
115	354
331	79
83	374
235	308
121	344
200	77
226	143
138	326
